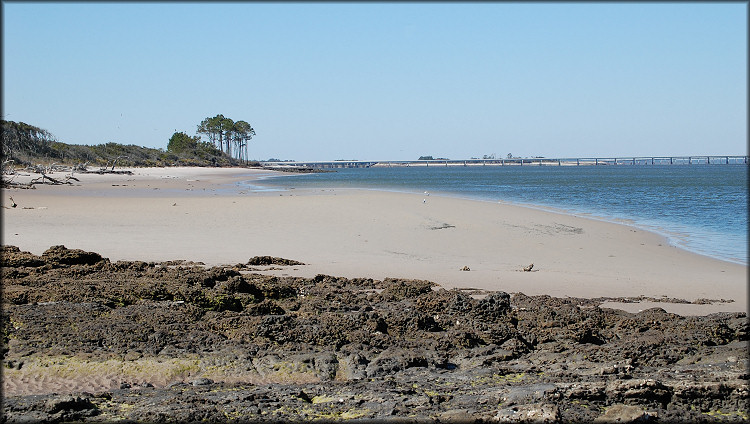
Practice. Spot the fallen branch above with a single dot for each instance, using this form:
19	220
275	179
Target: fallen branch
81	167
105	171
14	184
53	181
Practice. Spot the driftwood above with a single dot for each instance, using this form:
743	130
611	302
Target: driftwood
9	183
81	167
106	171
45	170
13	184
103	170
44	178
6	169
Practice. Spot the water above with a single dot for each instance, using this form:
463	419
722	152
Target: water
702	208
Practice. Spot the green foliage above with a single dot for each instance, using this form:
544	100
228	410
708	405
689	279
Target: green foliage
26	144
181	142
216	129
227	135
21	141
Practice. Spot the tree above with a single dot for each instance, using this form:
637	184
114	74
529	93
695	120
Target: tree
215	129
181	142
18	137
229	136
242	133
207	127
226	126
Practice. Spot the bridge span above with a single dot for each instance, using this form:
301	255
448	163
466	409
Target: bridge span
633	161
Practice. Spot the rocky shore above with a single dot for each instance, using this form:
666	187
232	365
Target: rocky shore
90	340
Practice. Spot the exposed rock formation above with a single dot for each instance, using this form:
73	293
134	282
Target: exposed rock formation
156	341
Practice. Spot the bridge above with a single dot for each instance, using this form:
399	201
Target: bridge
634	160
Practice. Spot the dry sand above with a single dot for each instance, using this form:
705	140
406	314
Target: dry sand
202	214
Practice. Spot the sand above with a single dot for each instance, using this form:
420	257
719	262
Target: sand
202	214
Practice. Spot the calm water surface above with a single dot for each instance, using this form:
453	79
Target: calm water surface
702	208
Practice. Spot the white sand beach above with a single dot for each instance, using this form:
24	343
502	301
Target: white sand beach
201	214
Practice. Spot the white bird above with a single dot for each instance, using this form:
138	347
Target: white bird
424	200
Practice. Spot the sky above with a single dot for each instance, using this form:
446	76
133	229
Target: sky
387	81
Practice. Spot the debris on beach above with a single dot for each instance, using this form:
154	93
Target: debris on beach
528	268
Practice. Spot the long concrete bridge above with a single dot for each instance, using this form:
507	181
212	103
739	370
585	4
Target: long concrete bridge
634	160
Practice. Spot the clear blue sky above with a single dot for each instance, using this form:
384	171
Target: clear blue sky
326	81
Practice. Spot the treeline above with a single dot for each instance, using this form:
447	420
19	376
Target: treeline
231	137
26	144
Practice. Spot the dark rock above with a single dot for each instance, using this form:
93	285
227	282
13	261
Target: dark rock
68	403
11	256
624	414
306	349
62	256
493	307
395	359
457	416
397	289
536	413
269	260
265	307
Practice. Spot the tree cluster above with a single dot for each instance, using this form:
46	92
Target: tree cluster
230	137
27	145
21	141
